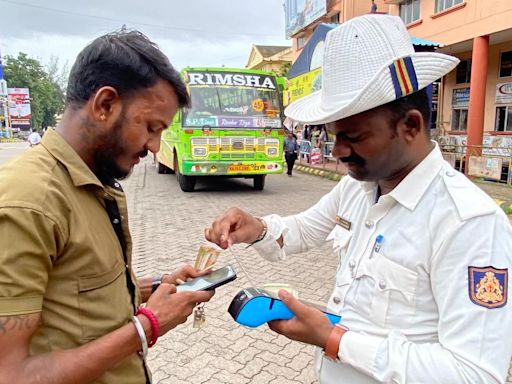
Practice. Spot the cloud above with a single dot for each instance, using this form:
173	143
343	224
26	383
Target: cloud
191	32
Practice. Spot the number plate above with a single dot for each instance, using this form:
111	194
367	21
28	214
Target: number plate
240	168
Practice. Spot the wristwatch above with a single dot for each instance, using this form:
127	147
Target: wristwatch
332	345
157	280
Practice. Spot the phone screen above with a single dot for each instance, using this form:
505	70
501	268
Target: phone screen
213	280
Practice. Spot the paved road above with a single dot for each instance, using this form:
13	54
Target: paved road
9	150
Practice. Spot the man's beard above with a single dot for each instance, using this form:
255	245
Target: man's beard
110	147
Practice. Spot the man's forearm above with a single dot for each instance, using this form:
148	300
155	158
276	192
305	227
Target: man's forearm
79	365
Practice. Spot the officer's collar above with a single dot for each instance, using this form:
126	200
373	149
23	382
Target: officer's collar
412	188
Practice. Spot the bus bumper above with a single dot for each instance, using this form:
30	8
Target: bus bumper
242	168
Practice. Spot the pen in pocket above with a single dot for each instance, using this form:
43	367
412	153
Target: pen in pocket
378	243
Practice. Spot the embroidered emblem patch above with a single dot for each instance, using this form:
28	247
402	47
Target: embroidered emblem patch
488	286
343	223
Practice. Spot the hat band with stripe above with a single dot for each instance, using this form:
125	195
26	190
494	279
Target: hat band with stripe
403	76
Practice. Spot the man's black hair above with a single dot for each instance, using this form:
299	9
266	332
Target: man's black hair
417	100
127	61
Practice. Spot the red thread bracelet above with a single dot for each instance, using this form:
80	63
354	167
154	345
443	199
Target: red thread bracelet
155	327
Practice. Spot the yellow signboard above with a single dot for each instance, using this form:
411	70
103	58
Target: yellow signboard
305	84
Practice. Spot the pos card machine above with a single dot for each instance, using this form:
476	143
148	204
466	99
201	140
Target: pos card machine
253	307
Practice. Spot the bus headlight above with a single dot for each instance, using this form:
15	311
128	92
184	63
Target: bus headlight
272	151
199	151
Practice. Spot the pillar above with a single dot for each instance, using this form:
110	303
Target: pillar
477	91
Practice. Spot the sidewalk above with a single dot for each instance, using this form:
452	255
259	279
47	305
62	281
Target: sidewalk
501	193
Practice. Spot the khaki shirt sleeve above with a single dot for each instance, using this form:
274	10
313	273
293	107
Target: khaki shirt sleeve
30	242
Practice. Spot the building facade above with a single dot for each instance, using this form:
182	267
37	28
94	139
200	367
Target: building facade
269	58
475	100
322	11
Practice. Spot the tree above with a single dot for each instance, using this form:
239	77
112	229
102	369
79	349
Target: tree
283	70
46	95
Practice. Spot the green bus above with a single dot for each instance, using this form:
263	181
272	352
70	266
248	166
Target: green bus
233	128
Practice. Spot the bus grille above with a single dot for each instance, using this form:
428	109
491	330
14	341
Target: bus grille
237	156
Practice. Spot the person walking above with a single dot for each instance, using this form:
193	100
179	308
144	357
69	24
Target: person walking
422	299
34	138
71	306
290	151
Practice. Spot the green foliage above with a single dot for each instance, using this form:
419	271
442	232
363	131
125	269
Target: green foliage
46	95
283	70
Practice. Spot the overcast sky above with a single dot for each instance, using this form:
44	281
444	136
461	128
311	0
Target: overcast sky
189	32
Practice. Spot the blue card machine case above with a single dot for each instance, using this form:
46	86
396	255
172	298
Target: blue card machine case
253	307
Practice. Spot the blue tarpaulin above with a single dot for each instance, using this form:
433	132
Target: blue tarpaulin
303	62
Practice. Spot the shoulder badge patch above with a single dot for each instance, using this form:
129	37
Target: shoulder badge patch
488	286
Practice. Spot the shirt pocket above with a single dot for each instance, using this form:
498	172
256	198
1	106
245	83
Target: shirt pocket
103	301
394	291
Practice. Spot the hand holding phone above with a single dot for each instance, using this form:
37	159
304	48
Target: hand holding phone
209	282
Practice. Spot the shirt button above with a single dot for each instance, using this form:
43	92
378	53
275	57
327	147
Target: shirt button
352	264
115	221
450	173
116	185
126	266
336	300
369	224
382	284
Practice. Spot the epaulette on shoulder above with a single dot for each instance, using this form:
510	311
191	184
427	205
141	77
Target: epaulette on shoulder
469	200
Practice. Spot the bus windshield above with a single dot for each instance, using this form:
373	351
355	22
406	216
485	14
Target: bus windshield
233	104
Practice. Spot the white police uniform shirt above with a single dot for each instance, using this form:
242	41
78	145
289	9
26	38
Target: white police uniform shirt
412	307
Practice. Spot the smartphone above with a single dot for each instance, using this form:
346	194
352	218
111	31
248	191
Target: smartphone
209	282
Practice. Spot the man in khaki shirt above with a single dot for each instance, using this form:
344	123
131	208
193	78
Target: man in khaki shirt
68	295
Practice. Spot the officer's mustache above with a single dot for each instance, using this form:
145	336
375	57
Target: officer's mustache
353	160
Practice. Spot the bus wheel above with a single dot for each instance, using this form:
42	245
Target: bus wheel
259	182
160	167
187	183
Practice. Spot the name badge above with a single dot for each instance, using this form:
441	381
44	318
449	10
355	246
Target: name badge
343	223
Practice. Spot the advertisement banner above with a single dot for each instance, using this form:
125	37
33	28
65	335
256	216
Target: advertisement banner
300	13
488	167
305	84
504	93
19	107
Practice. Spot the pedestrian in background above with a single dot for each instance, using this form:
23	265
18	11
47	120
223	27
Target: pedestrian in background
373	8
34	138
422	299
70	308
291	149
322	139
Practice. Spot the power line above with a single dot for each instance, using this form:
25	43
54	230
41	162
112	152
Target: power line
130	22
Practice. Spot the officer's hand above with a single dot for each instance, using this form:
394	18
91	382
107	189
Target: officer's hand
183	273
171	308
232	227
309	325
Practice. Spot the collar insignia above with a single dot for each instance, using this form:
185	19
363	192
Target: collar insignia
488	286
